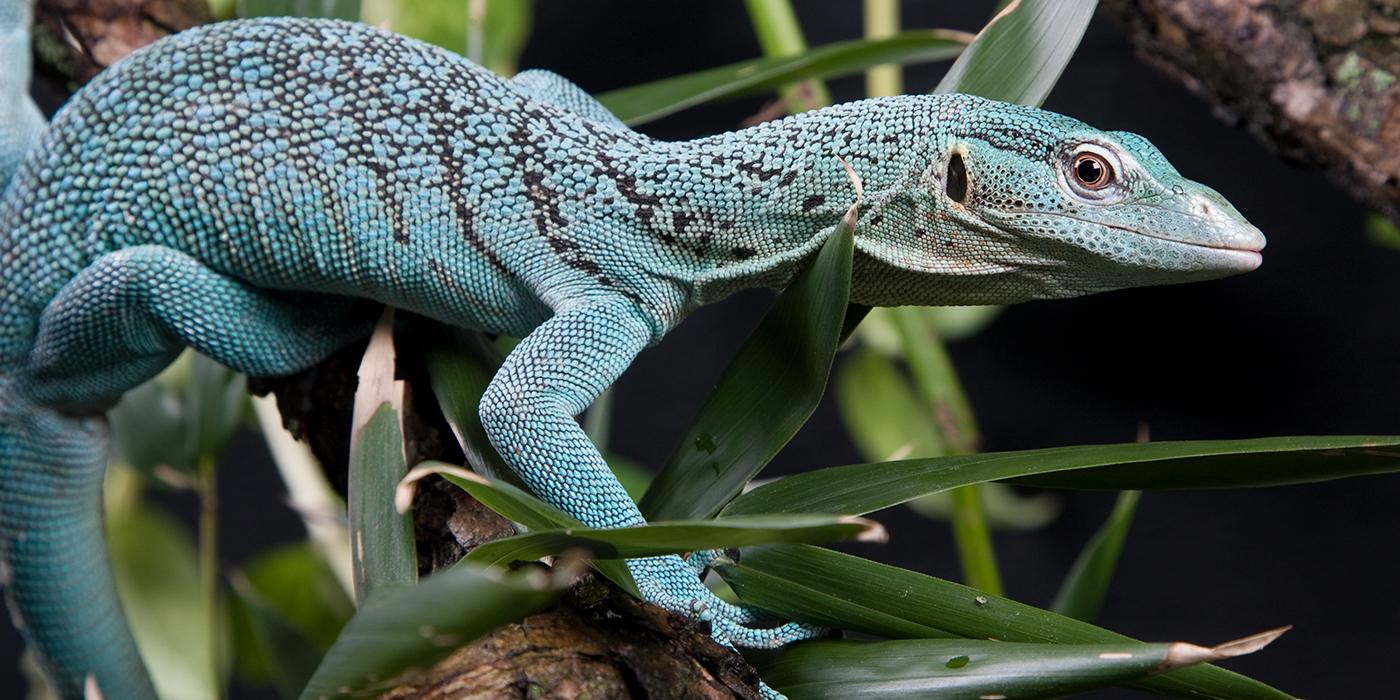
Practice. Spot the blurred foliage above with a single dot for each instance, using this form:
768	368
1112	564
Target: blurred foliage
1382	231
283	619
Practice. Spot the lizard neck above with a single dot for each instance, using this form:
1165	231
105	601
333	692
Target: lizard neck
745	209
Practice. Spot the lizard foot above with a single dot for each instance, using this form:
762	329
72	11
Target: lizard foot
671	583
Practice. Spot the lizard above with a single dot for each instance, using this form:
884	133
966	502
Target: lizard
260	189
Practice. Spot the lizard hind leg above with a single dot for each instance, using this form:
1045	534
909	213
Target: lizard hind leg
117	323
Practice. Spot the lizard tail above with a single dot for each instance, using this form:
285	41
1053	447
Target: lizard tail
21	122
53	559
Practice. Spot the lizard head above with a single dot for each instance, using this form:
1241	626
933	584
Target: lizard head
1027	204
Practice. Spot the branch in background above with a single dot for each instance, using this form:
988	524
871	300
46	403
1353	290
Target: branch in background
1315	79
79	38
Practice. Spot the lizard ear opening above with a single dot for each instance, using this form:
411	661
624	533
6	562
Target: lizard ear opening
955	182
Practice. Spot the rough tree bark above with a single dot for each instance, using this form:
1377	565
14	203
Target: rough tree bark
1316	79
597	642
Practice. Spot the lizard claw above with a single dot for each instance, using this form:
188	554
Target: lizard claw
671	583
700	560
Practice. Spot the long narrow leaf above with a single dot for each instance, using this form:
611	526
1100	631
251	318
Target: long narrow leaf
516	505
827	588
1082	593
765	395
643	103
412	627
864	488
1271	462
1020	54
383	553
655	539
967	669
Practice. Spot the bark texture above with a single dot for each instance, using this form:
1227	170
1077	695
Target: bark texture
1317	79
79	38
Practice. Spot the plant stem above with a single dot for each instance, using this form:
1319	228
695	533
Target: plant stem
974	541
476	31
881	21
321	509
943	394
779	34
379	13
208	489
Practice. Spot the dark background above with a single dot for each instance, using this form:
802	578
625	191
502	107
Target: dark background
1304	345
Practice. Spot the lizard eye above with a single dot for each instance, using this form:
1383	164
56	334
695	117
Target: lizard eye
1091	171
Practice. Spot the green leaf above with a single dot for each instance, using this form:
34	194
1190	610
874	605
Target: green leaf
658	538
495	41
383	551
461	364
886	421
884	418
1020	54
766	393
185	415
1225	464
286	656
296	582
335	9
967	669
516	505
864	488
412	627
1083	591
150	430
156	568
827	588
217	400
643	103
383	554
1382	231
1007	509
949	322
292	608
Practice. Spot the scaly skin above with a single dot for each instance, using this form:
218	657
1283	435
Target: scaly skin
257	189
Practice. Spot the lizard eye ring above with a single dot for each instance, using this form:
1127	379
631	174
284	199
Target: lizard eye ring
1092	171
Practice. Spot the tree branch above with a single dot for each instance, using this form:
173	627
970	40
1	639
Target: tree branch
1316	79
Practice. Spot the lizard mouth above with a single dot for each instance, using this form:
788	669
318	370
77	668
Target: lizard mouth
1235	244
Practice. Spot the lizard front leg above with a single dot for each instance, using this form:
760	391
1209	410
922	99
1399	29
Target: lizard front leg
528	412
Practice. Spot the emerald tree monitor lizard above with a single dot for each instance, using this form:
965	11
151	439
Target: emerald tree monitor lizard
259	189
